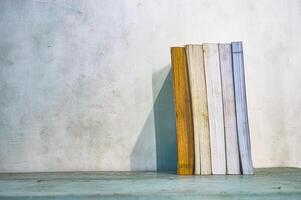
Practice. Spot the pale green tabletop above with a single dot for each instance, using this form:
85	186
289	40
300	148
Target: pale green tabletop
276	183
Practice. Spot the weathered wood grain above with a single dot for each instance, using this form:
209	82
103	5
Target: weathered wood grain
198	92
232	153
184	124
215	108
241	108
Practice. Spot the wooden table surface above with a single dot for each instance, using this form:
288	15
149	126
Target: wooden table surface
272	183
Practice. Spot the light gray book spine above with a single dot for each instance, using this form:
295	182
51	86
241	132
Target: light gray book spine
232	152
241	108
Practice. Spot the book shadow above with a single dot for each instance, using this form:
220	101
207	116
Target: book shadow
161	119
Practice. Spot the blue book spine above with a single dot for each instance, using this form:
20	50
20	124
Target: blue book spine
241	108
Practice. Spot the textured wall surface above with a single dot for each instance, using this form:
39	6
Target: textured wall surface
86	85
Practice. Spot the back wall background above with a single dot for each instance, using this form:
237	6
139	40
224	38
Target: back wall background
86	85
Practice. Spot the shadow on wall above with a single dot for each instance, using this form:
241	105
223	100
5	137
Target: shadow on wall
163	113
165	122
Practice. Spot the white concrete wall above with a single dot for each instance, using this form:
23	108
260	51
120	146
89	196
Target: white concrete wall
85	85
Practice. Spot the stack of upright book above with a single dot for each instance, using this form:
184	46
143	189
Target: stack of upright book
211	109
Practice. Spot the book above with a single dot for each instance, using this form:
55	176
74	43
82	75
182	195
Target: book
241	108
215	108
184	124
196	72
232	152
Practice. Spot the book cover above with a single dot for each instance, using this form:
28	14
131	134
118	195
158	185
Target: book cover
232	152
215	108
198	92
184	124
241	108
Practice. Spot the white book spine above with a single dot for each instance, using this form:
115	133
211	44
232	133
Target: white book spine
198	92
215	108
